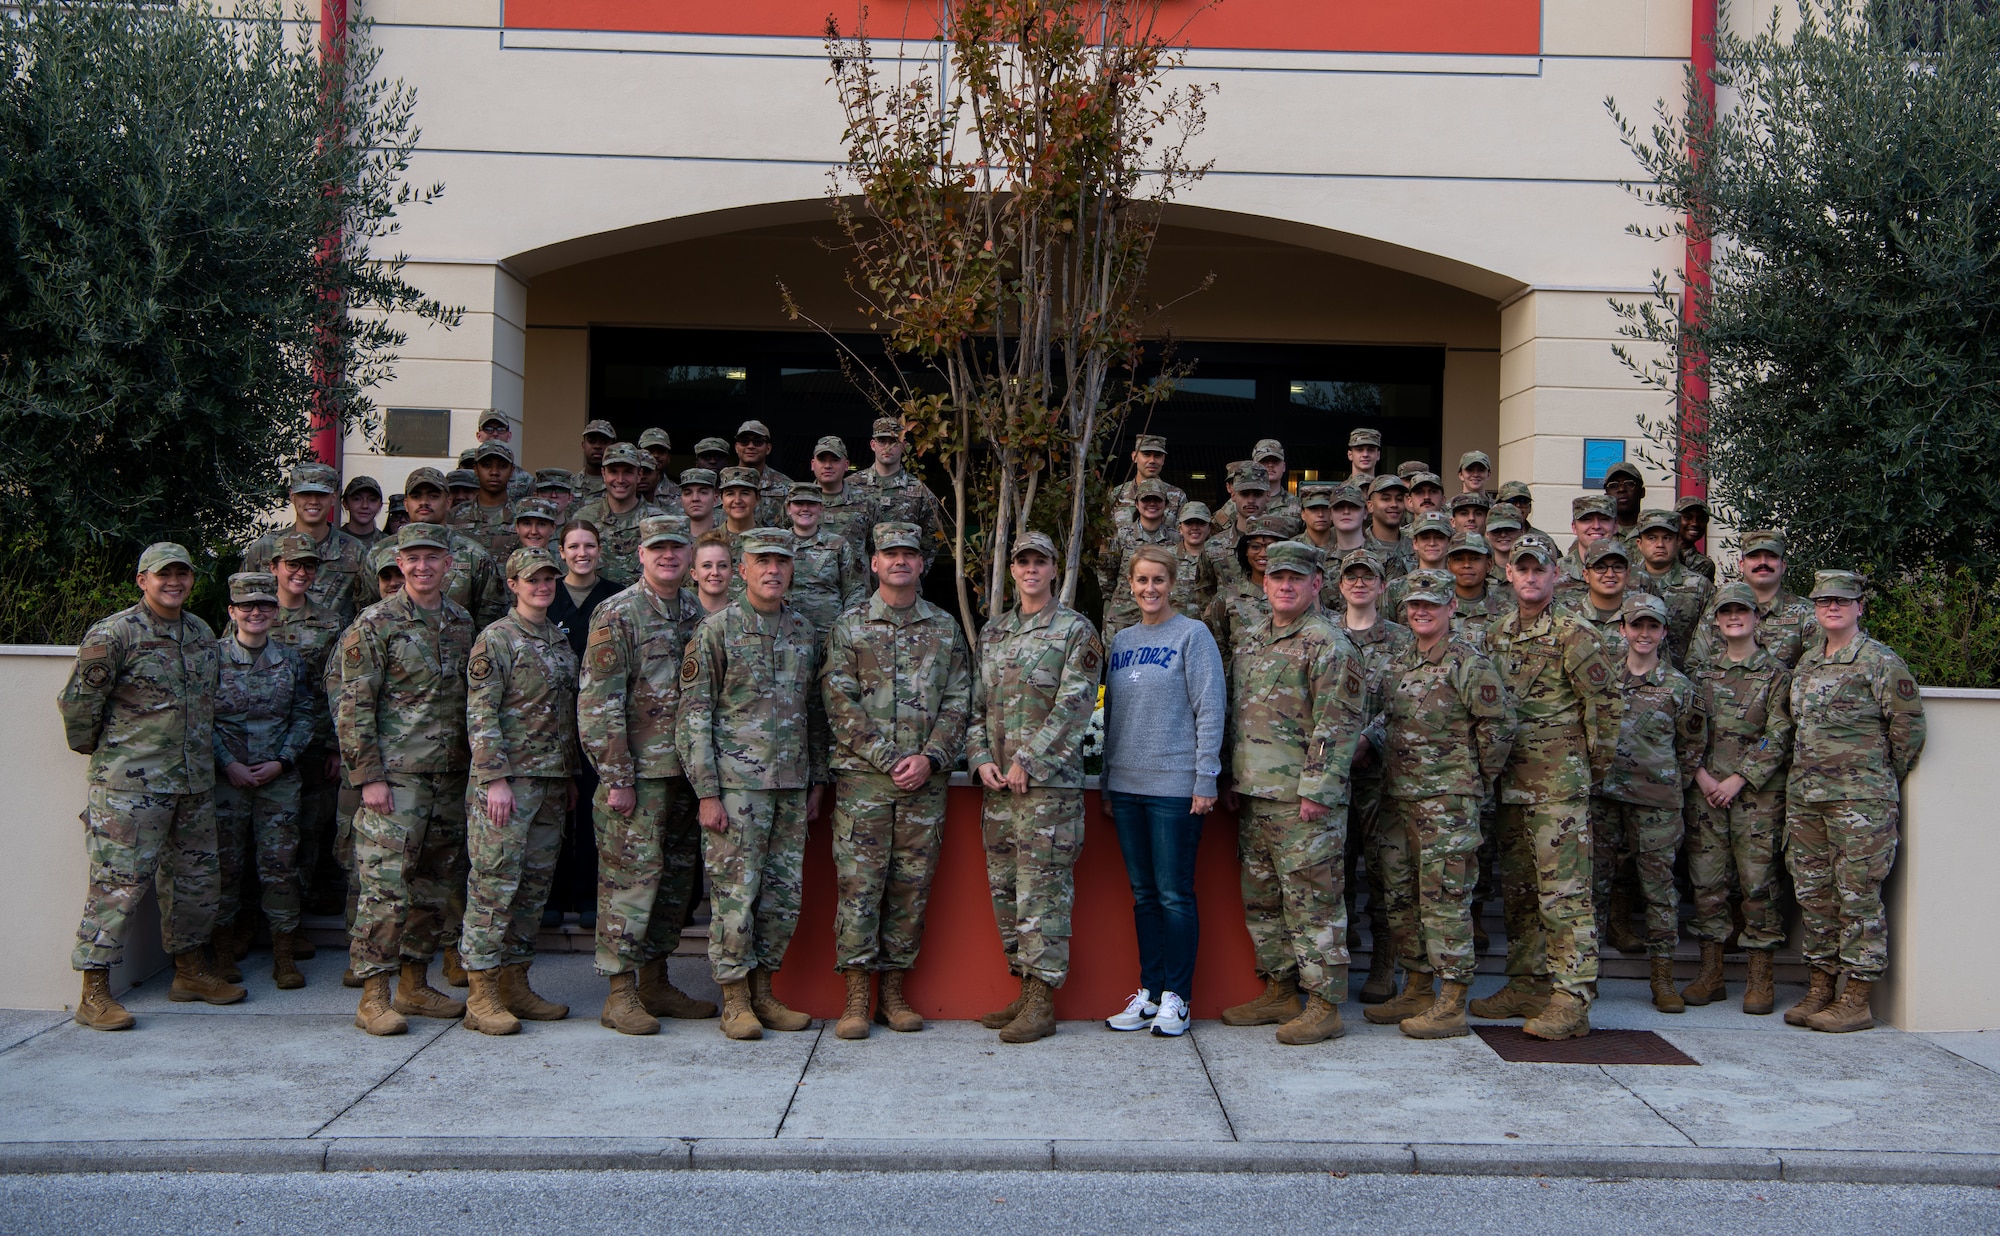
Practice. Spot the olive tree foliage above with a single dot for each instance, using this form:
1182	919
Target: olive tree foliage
1849	184
190	206
998	203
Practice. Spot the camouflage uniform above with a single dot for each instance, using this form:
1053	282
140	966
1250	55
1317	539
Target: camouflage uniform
1379	646
1785	625
850	515
649	862
1687	596
904	498
1860	729
829	575
491	526
1399	557
618	535
1749	733
311	630
752	733
1565	697
1605	624
266	708
520	721
1235	613
402	722
1298	699
896	683
1701	564
1038	678
1125	506
1636	814
344	585
1114	573
141	704
774	490
475	583
1446	731
1187	569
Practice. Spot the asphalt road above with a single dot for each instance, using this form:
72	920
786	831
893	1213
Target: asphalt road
1012	1203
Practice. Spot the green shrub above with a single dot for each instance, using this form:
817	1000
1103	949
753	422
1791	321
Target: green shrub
40	606
1945	624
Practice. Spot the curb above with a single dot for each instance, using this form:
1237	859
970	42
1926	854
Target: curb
430	1154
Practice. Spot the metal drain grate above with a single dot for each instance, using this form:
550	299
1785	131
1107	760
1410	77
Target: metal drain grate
1511	1044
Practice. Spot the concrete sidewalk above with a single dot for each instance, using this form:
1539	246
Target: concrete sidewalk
284	1082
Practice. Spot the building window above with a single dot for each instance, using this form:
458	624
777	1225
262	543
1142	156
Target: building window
422	432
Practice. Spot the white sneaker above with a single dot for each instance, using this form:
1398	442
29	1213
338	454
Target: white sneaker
1138	1013
1172	1019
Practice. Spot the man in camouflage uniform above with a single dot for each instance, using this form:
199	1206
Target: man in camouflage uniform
1445	734
1592	519
1785	620
1518	495
1193	529
1860	729
1149	457
1600	603
898	691
1298	700
1475	468
362	500
520	722
828	574
743	510
698	500
1477	598
402	739
1240	606
389	582
1426	494
1636	814
617	511
342	585
1565	696
1383	537
1148	526
1364	456
648	846
489	517
141	704
597	439
1429	539
900	495
714	454
1739	809
774	488
1268	459
1692	511
474	584
660	447
1655	546
309	628
461	484
1334	516
1625	485
267	710
848	507
1039	667
1220	571
556	486
752	740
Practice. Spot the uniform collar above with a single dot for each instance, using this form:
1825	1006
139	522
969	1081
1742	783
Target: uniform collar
756	619
1845	656
880	610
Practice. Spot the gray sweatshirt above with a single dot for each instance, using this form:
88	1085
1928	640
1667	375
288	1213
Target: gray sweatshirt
1163	710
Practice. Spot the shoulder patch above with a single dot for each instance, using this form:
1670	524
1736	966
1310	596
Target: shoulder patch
1596	673
353	652
690	667
1489	694
1352	684
97	674
1906	689
1090	659
481	668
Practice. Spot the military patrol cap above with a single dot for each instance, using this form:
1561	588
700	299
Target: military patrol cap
655	437
1359	558
383	557
712	446
1347	493
1625	468
1365	437
698	476
1151	487
360	483
806	491
1847	584
1430	584
1468	543
895	534
395	503
1150	442
1504	515
555	478
493	416
741	478
1389	480
626	453
1664	521
1192	512
1476	501
1426	478
1736	592
1431	521
1762	538
421	477
1471	458
1315	495
757	427
1514	491
1036	541
662	529
314	478
887	427
1248	477
461	478
534	508
1535	547
830	445
1267	448
1277	527
296	547
1691	502
1592	504
423	536
161	554
465	457
1643	605
246	587
1410	467
525	561
769	541
1295	556
1609	547
493	450
601	429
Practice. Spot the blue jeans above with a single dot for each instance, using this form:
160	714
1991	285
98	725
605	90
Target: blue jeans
1160	838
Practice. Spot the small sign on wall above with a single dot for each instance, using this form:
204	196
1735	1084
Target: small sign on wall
1599	454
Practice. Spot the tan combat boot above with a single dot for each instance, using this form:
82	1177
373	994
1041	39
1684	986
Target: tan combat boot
1819	994
853	1023
454	967
1381	982
1316	1023
223	945
377	1015
771	1011
1278	1004
739	1020
622	1010
1708	986
895	1011
1523	996
521	999
415	997
485	1010
1847	1014
1665	998
284	966
1445	1019
1037	1019
194	980
96	1009
348	977
1002	1016
1759	995
1566	1017
1417	995
662	999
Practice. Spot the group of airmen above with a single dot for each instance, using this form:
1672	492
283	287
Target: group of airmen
1422	687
